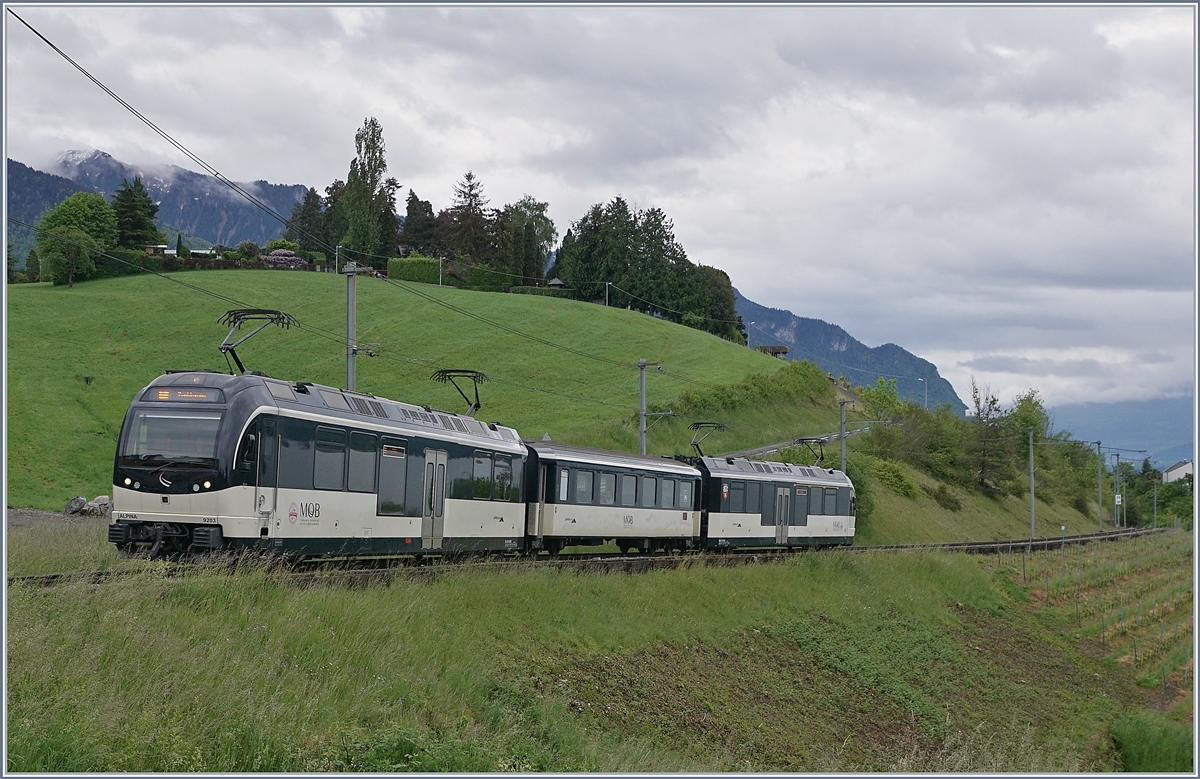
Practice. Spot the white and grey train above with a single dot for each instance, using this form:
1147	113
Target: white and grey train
210	461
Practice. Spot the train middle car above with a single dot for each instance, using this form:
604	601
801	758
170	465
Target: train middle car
753	503
584	496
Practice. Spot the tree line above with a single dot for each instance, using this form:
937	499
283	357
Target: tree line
988	452
612	253
634	251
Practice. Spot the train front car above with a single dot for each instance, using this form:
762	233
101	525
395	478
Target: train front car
208	461
752	503
584	496
174	480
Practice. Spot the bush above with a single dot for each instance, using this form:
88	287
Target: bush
414	267
480	278
944	497
544	291
859	470
892	476
280	243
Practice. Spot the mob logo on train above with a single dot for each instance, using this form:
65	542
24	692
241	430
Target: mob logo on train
292	509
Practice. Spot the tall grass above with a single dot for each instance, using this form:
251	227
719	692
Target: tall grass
495	668
1151	743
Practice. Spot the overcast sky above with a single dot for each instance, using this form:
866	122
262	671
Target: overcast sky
1007	192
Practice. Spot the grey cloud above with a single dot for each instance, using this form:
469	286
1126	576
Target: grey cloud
1001	363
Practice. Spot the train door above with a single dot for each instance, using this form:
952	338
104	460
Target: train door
268	459
782	513
537	504
434	502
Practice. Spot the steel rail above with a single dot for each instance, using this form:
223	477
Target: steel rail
383	570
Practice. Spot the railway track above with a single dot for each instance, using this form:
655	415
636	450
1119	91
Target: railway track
372	571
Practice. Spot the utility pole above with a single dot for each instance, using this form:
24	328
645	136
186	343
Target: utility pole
1032	527
842	429
351	270
926	383
1100	485
337	256
439	271
1117	490
608	284
642	364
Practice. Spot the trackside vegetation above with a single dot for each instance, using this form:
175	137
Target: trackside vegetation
825	662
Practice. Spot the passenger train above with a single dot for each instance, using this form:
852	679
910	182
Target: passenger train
210	461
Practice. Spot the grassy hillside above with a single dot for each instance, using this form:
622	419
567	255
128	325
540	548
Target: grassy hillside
77	356
935	662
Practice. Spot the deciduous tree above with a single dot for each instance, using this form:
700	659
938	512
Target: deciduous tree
69	252
88	212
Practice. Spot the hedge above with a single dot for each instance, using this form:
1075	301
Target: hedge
413	268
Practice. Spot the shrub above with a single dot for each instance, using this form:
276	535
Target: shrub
280	243
892	476
944	497
481	278
413	268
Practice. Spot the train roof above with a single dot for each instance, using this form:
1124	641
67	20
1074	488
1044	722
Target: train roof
743	468
307	396
553	450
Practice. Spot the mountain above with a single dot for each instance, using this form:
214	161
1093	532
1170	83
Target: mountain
31	193
840	354
1163	427
195	203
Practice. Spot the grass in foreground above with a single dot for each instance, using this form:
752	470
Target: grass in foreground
826	662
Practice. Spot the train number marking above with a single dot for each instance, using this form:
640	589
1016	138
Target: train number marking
209	520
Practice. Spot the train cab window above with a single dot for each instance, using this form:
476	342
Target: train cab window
564	483
583	486
753	495
505	488
737	497
628	490
649	490
607	488
392	476
364	449
329	467
816	500
831	500
482	483
685	495
668	493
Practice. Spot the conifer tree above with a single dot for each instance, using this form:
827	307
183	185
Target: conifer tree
135	213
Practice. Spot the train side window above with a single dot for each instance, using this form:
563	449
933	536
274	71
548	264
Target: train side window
843	501
482	489
753	494
649	490
816	500
295	454
392	476
564	483
685	495
831	500
329	466
608	489
668	493
268	451
505	488
364	448
583	486
628	489
737	497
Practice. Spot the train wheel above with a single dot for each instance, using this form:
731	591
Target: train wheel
624	547
554	546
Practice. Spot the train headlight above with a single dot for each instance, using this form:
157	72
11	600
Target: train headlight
195	488
208	485
128	481
137	485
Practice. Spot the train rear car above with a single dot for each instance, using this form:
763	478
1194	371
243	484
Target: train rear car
753	503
